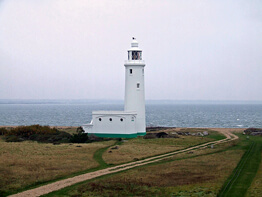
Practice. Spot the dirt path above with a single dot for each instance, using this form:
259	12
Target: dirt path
71	181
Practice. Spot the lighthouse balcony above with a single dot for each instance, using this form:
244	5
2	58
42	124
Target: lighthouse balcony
134	62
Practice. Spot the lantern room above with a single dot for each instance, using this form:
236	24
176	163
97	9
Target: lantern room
134	53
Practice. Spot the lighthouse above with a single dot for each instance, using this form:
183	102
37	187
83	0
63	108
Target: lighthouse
131	122
134	86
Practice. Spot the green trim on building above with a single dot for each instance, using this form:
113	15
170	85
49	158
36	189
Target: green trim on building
141	134
111	135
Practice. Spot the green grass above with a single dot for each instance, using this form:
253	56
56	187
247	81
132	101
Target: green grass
243	175
136	188
126	188
97	157
107	189
101	187
215	135
140	148
99	153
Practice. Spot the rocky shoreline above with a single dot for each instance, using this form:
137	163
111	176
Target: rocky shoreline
253	131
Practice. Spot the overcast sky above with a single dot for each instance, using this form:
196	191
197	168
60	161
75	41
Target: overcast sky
194	50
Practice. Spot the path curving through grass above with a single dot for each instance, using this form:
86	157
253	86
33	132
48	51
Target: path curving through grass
99	153
80	178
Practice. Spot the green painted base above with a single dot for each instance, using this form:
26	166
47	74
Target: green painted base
141	134
111	135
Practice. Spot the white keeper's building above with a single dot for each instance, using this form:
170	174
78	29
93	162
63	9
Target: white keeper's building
131	122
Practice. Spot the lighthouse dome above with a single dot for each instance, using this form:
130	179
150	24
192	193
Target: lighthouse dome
134	43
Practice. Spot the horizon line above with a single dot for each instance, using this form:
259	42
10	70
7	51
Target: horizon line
108	101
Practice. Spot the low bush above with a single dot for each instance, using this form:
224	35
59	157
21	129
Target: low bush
37	133
13	138
46	134
80	137
3	131
26	131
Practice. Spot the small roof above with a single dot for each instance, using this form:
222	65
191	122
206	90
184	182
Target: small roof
134	42
114	112
134	45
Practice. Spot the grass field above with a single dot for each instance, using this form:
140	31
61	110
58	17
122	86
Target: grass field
201	175
30	163
199	172
244	174
138	148
27	163
256	187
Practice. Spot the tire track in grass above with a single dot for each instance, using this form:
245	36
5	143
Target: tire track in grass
238	170
243	175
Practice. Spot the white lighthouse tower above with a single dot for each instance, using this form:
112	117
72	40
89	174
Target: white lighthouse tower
134	86
130	122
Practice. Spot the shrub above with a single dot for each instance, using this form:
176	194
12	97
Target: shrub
80	130
13	138
3	131
26	131
37	133
80	137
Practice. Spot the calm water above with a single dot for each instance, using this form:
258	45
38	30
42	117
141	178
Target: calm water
177	115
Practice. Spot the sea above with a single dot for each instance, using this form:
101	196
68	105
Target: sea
158	113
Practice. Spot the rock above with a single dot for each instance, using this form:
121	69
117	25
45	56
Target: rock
205	133
152	128
115	147
199	134
173	136
253	131
150	136
92	137
161	135
257	133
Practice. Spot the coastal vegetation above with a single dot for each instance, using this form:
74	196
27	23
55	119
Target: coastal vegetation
47	134
200	172
29	163
197	176
197	173
139	148
37	133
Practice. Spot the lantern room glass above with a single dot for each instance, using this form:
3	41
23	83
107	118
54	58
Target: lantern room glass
135	55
